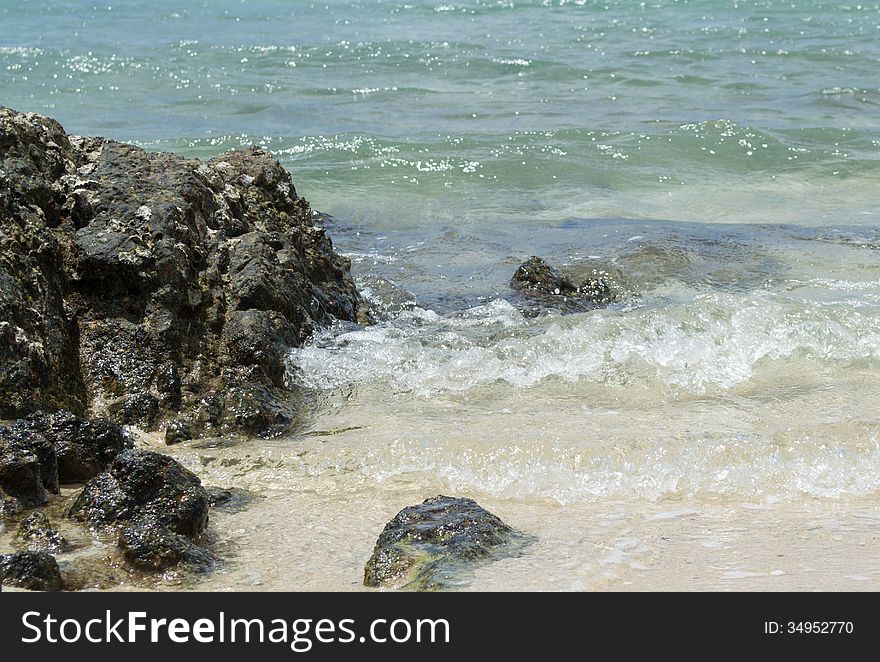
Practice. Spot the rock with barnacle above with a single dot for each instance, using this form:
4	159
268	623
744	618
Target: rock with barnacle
432	546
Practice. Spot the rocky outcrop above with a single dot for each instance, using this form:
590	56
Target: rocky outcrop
542	285
156	508
425	547
35	571
148	288
39	345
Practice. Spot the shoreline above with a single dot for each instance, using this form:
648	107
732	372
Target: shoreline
173	295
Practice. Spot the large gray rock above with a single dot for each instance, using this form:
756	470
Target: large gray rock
427	547
145	287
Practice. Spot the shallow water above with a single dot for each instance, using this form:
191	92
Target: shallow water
719	159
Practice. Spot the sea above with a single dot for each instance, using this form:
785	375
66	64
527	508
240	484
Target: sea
717	427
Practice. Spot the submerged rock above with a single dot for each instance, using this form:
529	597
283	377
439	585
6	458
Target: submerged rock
35	571
150	546
229	500
543	284
536	276
9	506
37	533
425	546
176	432
93	571
140	285
217	496
142	485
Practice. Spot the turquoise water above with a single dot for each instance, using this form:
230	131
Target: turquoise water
722	157
485	108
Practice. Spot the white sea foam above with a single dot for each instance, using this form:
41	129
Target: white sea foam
714	342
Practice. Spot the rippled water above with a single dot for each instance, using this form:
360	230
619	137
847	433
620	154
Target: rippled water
719	159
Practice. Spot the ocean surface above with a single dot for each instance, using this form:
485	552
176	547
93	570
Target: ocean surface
720	159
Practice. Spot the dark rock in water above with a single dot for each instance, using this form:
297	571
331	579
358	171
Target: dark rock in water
543	284
176	432
20	475
151	546
256	408
9	506
84	448
218	496
139	285
28	466
231	500
535	276
35	571
156	506
142	485
37	532
424	546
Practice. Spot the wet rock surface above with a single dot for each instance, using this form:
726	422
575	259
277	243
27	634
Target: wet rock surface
41	451
542	286
157	509
83	447
9	506
150	546
38	534
142	485
148	288
28	466
426	547
35	571
39	350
